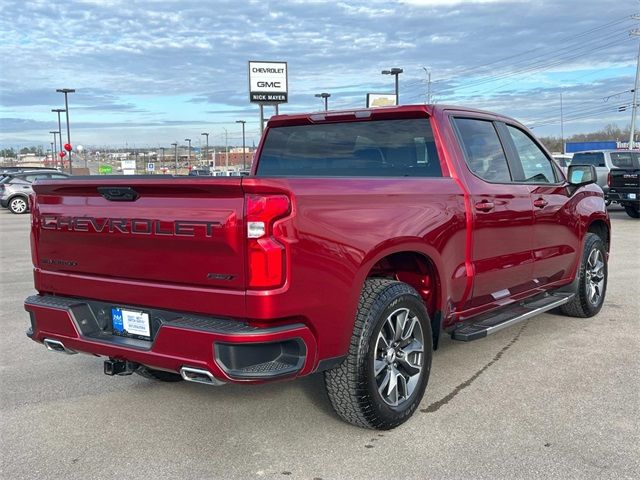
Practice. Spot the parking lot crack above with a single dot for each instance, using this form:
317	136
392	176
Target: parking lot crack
435	406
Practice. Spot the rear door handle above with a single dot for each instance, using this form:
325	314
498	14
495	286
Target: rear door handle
485	206
540	203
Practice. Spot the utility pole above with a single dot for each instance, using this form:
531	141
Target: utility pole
244	162
175	145
635	33
325	97
428	72
206	148
66	109
395	72
561	124
162	163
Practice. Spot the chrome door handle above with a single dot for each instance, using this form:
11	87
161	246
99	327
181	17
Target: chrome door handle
485	206
540	203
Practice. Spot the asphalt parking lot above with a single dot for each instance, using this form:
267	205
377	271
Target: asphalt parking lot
554	397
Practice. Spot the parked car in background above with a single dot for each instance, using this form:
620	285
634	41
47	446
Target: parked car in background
200	172
604	161
4	170
562	159
15	188
624	182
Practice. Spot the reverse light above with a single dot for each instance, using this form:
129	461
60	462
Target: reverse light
267	256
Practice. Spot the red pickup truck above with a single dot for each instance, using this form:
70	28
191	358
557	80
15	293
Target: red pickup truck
359	238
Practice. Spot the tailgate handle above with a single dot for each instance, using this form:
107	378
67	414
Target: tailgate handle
119	194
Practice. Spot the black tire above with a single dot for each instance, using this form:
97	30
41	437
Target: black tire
581	305
632	211
607	202
160	375
18	205
353	385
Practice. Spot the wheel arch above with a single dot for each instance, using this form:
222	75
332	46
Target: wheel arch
600	228
414	263
20	195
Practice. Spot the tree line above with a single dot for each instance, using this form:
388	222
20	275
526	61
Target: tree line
608	133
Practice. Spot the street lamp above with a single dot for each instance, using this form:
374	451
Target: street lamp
66	106
206	148
59	111
189	153
55	147
175	145
325	96
395	72
244	164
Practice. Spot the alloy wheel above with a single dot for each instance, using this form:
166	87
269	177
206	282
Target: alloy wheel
399	357
595	276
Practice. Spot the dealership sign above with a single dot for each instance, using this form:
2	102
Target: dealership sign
268	82
381	100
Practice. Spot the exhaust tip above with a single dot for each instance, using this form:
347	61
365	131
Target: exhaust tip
57	346
199	375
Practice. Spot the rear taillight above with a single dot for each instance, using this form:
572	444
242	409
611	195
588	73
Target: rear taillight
609	179
267	253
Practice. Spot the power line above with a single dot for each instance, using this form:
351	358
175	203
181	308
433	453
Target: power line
541	66
561	40
593	114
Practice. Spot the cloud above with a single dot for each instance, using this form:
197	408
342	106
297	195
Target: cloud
183	60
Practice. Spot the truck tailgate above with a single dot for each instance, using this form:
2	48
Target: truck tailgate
180	231
625	179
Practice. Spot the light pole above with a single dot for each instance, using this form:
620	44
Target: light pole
226	147
395	72
206	148
324	96
175	145
59	111
66	107
162	163
244	163
55	147
189	152
634	106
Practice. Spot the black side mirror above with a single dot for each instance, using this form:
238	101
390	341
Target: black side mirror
579	175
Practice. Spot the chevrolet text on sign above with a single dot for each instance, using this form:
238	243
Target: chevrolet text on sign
268	82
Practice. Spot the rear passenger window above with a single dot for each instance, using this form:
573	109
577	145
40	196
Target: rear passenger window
625	160
589	158
535	164
483	150
379	148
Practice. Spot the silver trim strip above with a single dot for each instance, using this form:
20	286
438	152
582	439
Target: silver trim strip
527	315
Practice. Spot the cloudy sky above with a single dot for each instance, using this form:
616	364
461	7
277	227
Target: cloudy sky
148	73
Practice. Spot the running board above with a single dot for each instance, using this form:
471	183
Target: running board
494	321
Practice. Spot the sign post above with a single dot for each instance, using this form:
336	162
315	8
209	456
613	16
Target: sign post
268	85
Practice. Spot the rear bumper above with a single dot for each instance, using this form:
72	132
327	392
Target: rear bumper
624	196
231	350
